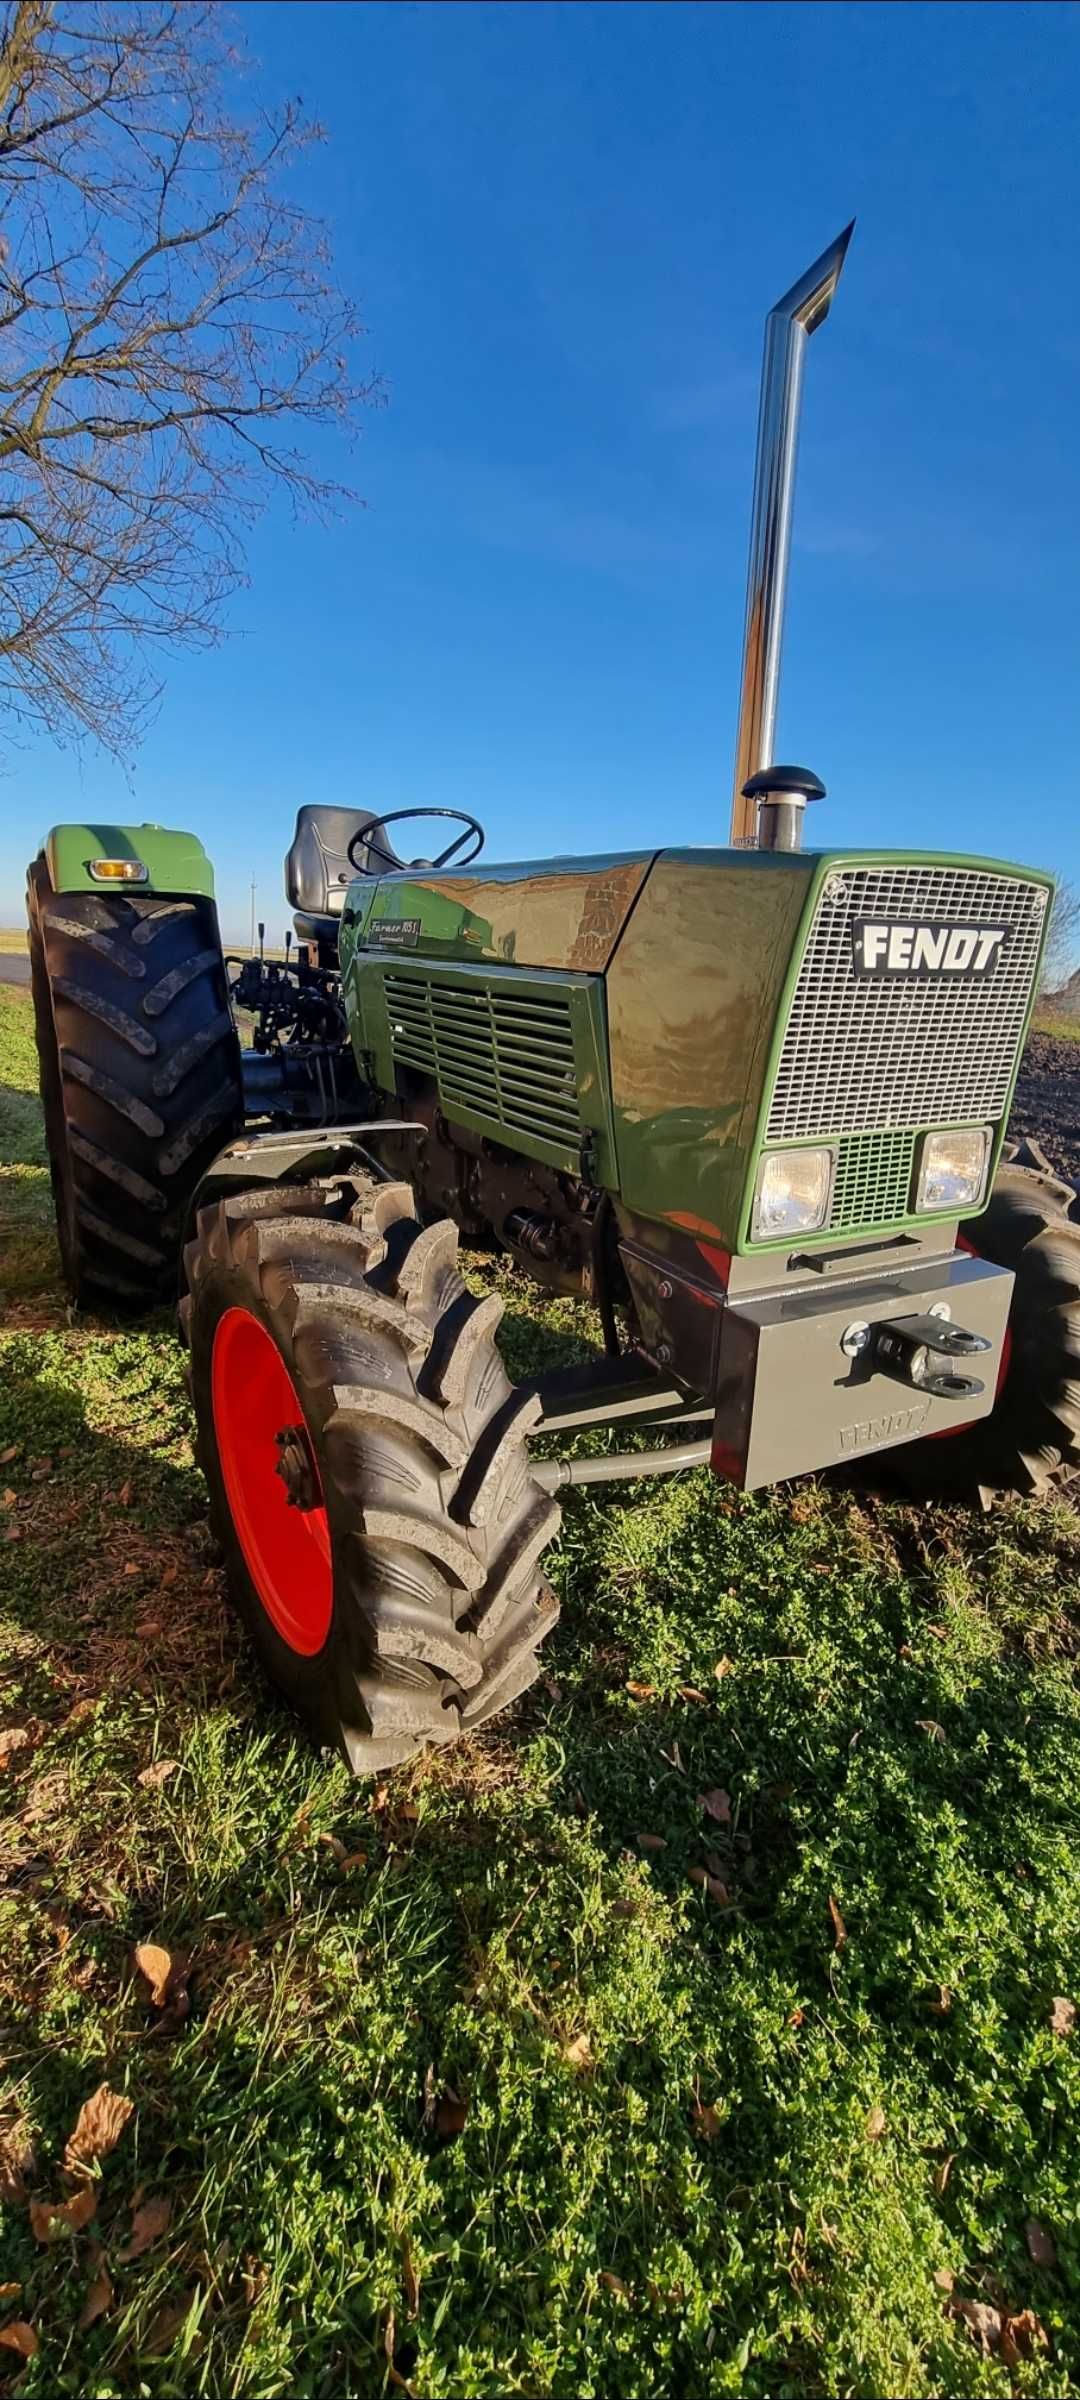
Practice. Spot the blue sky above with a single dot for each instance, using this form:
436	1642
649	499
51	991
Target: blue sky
566	224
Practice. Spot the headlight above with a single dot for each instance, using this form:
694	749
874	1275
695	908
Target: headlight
952	1169
792	1194
118	870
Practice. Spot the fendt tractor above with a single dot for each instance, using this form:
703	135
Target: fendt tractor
749	1102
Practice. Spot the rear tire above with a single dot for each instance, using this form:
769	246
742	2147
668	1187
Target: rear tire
1032	1438
140	1073
417	1609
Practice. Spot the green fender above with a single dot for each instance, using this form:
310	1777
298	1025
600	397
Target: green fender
174	862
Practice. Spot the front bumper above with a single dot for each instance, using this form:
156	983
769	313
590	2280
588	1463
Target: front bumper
789	1397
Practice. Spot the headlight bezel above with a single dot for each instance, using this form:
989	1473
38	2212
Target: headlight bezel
793	1228
956	1203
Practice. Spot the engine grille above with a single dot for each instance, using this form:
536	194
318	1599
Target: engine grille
877	1054
872	1182
505	1056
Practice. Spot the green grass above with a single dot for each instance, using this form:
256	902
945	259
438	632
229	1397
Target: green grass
709	2148
1067	1029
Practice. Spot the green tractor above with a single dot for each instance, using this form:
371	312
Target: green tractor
749	1102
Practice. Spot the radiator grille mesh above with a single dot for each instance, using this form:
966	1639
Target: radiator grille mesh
875	1054
506	1056
872	1183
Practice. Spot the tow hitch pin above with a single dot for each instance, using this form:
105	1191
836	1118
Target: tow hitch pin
908	1348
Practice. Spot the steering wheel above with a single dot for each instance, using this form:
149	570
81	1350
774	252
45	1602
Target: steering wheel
364	840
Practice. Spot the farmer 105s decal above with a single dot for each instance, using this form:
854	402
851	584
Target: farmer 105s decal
750	1102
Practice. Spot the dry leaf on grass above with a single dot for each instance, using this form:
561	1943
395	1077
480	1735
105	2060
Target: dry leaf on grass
148	2223
1042	2247
940	2006
19	2337
714	1885
944	2278
13	1738
705	2121
716	1804
724	1666
875	2123
578	2052
942	2172
642	1691
930	1726
839	1927
983	2322
166	1973
689	1691
16	2164
99	2297
50	2220
11	1452
163	2328
98	2127
1021	2335
614	2283
157	1774
1062	2016
451	2112
650	1841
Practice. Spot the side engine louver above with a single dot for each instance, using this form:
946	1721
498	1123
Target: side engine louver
501	1055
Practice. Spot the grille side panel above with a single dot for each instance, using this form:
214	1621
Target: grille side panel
892	1054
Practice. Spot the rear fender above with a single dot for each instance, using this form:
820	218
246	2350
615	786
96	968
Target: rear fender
176	863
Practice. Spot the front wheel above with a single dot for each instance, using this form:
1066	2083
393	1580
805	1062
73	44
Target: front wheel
1031	1440
367	1465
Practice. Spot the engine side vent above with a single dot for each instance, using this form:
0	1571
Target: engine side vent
501	1055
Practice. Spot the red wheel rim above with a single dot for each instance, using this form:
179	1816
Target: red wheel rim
286	1548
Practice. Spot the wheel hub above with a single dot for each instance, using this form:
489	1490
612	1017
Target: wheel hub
296	1467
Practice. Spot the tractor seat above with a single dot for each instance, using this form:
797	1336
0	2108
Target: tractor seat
317	868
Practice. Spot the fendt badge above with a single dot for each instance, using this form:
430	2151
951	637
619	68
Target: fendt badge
893	948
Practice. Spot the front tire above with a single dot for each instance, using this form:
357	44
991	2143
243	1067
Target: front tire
367	1466
1031	1439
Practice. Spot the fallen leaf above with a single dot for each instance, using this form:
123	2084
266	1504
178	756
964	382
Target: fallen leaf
330	1842
99	2297
930	1726
13	1738
940	1632
797	2017
124	1496
42	1471
941	2006
944	2278
875	2123
98	2127
716	1804
166	1973
163	2328
1020	2335
614	2283
578	2052
352	1860
705	2121
10	2291
11	1452
409	2277
1042	2247
650	1841
942	2172
50	2220
78	1714
712	1884
148	2223
1062	2016
724	1666
642	1691
554	1690
158	1773
689	1691
16	2163
9	1499
450	2114
839	1927
983	2322
19	2337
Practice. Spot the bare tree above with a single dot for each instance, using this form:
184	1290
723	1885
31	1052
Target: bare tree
1062	941
170	328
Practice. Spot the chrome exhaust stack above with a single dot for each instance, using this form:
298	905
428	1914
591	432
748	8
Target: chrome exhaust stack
787	330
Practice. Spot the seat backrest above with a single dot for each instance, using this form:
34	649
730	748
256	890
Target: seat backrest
317	869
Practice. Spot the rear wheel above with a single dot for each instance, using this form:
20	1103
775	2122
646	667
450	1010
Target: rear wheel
367	1465
141	1080
1032	1438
